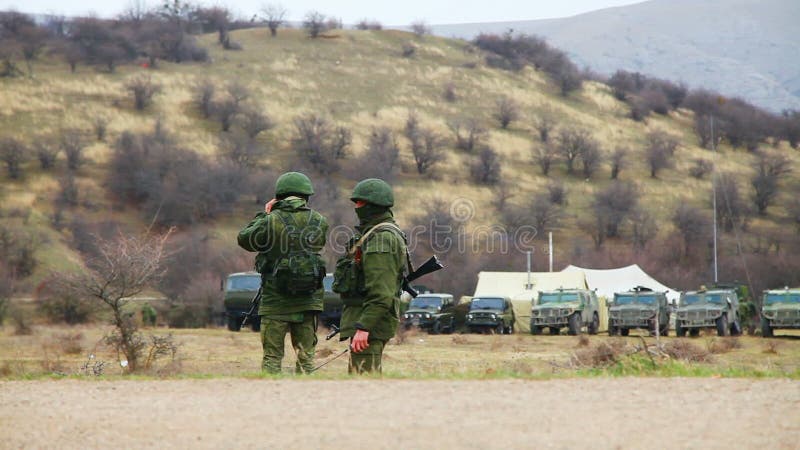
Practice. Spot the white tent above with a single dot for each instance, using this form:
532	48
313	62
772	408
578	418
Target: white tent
609	281
521	291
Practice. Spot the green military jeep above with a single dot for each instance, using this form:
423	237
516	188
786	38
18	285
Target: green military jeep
638	308
716	308
780	308
488	313
431	312
571	308
240	288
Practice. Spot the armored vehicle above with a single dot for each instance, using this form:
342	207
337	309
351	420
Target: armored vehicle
780	309
488	313
431	312
240	288
638	308
571	308
238	293
716	308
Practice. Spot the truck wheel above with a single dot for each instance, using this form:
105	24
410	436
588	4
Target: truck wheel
536	330
255	324
624	331
452	327
694	332
234	323
595	325
555	331
766	328
436	328
574	324
679	330
722	325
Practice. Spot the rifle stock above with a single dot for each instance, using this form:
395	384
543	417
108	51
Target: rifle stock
253	305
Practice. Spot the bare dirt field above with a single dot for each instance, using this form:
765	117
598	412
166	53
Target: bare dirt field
264	413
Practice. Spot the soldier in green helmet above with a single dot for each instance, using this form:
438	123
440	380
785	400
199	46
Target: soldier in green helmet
288	236
369	276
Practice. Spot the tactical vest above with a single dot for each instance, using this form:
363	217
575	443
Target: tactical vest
293	262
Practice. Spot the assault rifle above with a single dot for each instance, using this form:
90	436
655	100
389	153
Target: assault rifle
253	306
430	266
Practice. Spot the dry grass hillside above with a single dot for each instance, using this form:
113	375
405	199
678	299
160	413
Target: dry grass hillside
360	80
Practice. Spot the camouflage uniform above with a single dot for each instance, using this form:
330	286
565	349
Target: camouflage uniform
269	234
371	301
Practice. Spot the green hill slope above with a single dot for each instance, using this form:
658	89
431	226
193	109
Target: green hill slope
360	80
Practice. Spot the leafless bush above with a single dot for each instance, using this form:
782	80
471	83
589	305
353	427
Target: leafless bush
503	192
702	128
143	89
69	343
73	145
381	156
660	151
100	125
14	154
717	346
17	251
692	225
369	24
408	50
46	152
225	111
274	15
544	123
685	350
731	210
557	193
644	228
319	143
701	168
204	97
485	167
591	157
254	122
572	143
64	307
506	112
602	354
314	24
242	149
544	156
428	149
126	266
618	161
544	215
449	92
68	191
420	28
611	206
469	135
770	169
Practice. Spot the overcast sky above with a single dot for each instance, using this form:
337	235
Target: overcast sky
395	12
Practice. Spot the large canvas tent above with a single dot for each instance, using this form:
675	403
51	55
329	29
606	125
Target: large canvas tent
608	281
522	288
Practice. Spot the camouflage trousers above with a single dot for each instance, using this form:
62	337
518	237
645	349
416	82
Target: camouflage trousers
368	360
303	332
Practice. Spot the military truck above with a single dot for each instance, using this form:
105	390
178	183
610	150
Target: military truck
715	308
240	288
490	313
780	309
431	312
638	308
571	308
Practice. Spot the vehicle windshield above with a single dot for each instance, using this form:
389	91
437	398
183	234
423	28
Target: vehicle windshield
244	283
486	303
773	299
635	300
696	299
557	298
425	303
327	283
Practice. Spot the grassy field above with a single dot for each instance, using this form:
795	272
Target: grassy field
215	352
358	79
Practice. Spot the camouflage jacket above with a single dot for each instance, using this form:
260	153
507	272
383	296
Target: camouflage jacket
383	263
266	235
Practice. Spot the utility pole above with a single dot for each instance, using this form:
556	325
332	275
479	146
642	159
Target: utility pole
714	196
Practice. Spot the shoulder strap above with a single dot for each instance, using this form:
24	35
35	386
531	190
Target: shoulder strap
378	227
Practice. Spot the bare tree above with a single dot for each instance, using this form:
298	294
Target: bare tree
731	210
770	168
469	134
591	157
274	15
73	145
644	228
701	168
420	28
692	225
46	151
557	192
253	122
124	268
544	214
507	111
485	167
33	40
544	123
143	89
314	24
100	125
204	97
242	149
13	153
618	161
702	128
660	151
380	158
319	143
613	205
572	143
225	111
502	193
544	156
427	147
368	24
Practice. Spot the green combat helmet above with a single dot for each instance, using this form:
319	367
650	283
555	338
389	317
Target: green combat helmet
375	191
293	183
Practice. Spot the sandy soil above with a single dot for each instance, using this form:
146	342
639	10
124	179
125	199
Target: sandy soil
602	413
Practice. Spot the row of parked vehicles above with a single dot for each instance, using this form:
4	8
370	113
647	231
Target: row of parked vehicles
575	310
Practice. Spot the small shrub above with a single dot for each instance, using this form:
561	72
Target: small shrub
13	153
557	192
420	29
143	89
70	343
408	50
46	152
701	168
449	92
771	346
73	145
100	125
684	350
485	167
716	346
602	354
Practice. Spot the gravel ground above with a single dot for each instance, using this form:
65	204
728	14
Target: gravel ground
373	414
